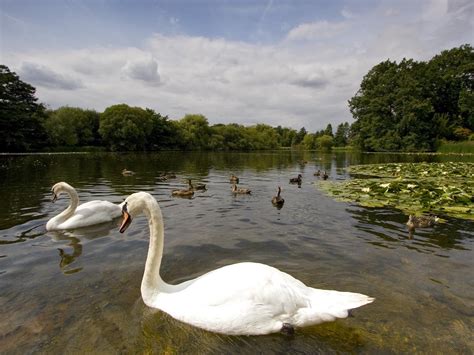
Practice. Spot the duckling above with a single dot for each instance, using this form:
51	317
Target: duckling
126	172
317	173
234	179
421	221
296	180
239	190
277	200
325	175
189	192
196	187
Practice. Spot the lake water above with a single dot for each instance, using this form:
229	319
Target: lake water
79	291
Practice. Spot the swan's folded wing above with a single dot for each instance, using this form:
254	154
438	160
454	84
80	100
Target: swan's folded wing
248	283
93	212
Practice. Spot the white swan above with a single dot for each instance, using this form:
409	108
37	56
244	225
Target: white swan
87	214
240	299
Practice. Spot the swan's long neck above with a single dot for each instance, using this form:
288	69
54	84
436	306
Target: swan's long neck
69	211
152	282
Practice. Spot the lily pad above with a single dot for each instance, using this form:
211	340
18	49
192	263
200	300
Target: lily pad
415	188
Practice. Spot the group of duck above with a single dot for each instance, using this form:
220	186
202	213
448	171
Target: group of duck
276	200
414	222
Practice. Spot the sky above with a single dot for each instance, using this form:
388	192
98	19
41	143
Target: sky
293	63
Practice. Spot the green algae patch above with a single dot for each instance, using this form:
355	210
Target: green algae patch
415	188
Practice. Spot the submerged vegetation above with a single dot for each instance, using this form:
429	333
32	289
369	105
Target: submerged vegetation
415	188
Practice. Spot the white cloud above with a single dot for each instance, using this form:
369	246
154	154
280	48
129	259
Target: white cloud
316	30
303	80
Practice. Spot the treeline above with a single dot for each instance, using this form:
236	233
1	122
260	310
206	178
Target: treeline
125	128
27	125
413	106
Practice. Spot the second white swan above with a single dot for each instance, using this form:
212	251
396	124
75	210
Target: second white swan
240	299
78	216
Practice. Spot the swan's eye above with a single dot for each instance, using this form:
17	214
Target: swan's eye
124	207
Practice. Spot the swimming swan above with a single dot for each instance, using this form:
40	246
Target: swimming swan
240	299
87	214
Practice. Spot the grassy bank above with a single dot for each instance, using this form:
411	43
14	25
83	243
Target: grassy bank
457	147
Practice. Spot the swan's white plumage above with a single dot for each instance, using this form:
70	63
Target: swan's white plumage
244	298
87	214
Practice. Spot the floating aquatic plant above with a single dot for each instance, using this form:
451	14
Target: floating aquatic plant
415	188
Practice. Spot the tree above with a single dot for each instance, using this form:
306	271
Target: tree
195	131
299	136
164	133
73	126
309	141
412	105
21	117
328	130
325	142
286	136
126	128
262	136
342	135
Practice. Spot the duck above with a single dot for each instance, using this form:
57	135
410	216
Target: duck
189	192
317	173
78	216
296	180
277	200
325	175
240	190
421	221
196	187
126	172
234	179
245	298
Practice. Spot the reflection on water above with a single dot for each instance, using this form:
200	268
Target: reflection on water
69	258
79	291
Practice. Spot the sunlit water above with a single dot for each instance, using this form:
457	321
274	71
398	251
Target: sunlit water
79	291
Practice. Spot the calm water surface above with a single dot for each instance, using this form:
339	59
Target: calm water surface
79	291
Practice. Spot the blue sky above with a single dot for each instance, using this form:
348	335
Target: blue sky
294	63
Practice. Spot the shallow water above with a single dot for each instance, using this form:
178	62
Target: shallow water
79	291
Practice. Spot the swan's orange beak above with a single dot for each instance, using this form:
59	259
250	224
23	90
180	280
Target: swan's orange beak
127	219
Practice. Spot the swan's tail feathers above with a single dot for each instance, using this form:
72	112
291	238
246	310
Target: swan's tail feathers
335	304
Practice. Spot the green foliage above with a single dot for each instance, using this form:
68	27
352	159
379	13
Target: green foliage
73	126
286	136
298	139
325	142
21	117
416	188
328	130
341	138
125	128
195	132
465	147
411	105
309	141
